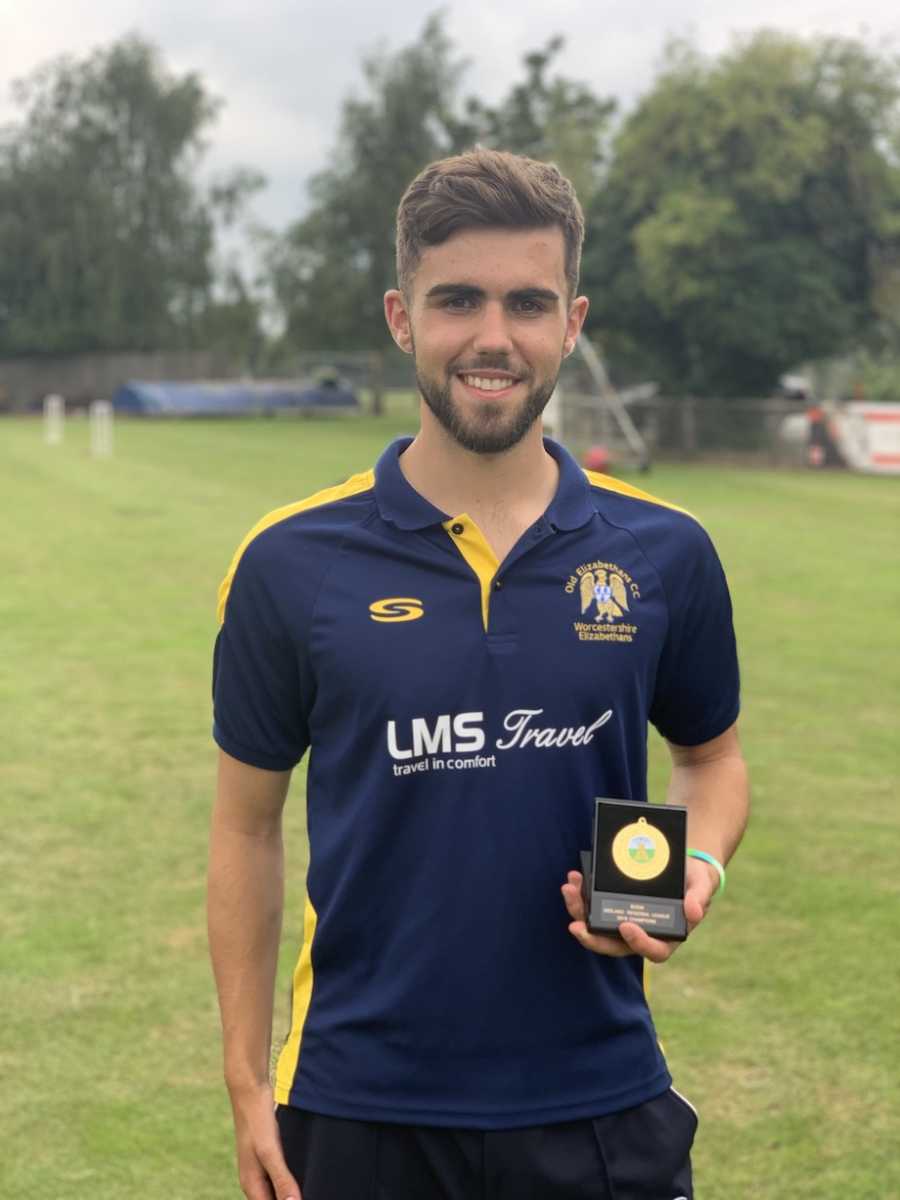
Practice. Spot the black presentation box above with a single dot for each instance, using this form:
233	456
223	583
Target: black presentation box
635	870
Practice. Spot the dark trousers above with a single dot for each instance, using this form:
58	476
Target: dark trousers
642	1153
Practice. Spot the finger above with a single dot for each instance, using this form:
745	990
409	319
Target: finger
284	1185
702	881
255	1183
572	895
598	943
694	909
640	942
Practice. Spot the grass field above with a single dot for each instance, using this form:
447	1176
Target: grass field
780	1020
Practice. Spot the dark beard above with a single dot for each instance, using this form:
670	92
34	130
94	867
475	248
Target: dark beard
496	434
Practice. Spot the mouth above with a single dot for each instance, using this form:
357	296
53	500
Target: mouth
484	383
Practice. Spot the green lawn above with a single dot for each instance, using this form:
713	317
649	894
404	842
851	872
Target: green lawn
780	1019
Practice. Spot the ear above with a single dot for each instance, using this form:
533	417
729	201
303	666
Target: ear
577	313
397	316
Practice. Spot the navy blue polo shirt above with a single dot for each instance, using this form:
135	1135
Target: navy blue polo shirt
461	714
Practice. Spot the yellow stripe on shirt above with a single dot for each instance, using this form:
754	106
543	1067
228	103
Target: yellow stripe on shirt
626	489
301	997
355	484
474	547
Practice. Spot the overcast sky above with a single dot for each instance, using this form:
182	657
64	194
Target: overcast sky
283	66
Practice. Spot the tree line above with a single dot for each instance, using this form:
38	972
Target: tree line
742	217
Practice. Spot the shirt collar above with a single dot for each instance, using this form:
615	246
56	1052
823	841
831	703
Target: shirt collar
399	502
572	505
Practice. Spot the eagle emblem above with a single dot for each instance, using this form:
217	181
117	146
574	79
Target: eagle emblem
607	590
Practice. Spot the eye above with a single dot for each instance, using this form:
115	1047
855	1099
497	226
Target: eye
460	303
529	307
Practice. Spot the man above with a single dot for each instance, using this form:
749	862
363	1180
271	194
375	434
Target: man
456	1030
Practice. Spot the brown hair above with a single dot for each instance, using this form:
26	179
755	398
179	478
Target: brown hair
487	189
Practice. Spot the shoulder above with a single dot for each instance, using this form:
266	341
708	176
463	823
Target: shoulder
344	503
671	539
317	521
641	513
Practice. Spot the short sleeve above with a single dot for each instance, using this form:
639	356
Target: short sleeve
260	681
697	692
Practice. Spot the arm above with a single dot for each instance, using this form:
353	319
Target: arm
710	780
244	906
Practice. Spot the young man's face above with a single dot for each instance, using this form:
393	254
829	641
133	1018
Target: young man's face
489	323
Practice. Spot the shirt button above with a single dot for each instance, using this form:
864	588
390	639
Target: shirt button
498	584
457	528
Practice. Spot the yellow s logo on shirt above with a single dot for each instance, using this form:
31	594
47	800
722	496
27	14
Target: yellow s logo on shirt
397	608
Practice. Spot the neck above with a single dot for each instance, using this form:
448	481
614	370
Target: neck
519	481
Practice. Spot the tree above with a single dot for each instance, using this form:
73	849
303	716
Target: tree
330	270
106	240
749	217
555	120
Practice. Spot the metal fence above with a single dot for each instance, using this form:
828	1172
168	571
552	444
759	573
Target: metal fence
681	427
82	378
689	427
771	430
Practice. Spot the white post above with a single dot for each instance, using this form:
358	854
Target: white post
101	429
54	419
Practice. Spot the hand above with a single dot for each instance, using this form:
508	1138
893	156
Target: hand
701	881
262	1171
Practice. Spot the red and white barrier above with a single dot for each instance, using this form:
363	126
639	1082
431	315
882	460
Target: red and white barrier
868	436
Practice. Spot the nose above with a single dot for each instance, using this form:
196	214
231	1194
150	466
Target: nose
493	334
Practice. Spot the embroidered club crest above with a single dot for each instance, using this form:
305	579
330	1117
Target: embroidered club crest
605	595
605	589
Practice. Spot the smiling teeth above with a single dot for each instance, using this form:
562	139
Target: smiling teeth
487	385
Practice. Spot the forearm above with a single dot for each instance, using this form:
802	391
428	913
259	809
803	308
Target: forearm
245	897
712	785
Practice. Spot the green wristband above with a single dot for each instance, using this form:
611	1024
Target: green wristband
713	862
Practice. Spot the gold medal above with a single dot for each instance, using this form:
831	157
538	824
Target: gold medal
640	850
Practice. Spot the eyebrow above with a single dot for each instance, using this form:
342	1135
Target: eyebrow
468	289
